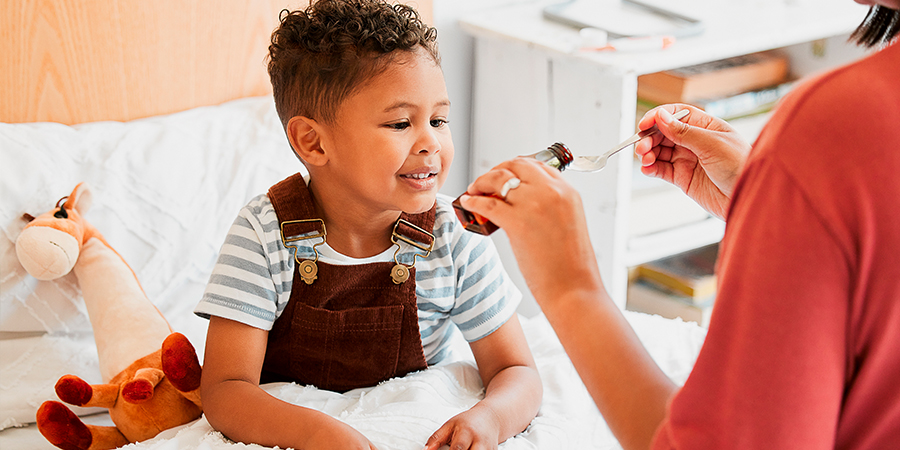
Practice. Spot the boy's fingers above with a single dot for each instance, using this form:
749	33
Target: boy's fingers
440	437
461	440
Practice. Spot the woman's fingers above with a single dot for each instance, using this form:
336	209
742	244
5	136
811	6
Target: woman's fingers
491	182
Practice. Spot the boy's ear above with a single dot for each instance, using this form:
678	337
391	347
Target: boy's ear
305	136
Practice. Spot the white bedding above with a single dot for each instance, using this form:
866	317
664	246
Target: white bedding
165	192
400	414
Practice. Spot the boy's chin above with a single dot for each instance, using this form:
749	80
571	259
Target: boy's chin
421	206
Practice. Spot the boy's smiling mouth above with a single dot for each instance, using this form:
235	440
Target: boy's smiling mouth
421	179
419	176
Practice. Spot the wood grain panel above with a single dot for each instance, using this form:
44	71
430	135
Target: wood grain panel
74	61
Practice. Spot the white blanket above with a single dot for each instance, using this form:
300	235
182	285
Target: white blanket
400	414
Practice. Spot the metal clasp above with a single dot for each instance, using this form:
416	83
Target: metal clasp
400	273
308	269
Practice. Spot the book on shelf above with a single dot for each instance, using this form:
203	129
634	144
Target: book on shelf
738	106
746	103
690	274
714	79
648	298
747	112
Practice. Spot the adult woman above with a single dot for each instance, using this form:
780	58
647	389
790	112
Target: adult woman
803	348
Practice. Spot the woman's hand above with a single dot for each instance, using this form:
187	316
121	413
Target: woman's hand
544	220
703	155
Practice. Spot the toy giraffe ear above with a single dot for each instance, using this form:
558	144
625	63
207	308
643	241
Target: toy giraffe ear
81	198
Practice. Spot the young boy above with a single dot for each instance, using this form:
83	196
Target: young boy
358	273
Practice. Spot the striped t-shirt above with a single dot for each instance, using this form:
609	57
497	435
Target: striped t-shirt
461	285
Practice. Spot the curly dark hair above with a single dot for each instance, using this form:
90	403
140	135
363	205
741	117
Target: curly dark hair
322	54
880	26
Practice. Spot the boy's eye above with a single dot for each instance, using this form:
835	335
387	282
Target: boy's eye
437	123
398	125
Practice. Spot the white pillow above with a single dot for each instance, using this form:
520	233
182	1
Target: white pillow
166	190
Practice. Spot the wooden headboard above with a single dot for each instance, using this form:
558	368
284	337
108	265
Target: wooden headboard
74	61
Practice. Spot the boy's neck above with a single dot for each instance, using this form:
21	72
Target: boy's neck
353	232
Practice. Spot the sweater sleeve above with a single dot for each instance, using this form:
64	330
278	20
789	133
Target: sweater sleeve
772	370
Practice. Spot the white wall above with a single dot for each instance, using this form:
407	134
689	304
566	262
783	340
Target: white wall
456	54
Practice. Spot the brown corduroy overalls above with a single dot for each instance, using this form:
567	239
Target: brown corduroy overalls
353	326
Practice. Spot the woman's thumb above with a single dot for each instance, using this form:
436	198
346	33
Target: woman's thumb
671	127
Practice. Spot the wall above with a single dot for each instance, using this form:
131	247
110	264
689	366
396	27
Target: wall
81	49
456	52
74	61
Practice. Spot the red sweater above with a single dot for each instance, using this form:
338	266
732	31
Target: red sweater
803	350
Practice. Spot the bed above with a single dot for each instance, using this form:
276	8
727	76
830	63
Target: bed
163	108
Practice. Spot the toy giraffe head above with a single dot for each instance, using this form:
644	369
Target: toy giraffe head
126	323
151	376
49	245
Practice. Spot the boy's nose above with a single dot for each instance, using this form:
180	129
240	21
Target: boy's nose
429	143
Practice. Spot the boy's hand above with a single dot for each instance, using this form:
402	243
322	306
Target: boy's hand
475	429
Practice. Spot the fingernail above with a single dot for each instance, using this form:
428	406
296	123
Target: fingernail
665	116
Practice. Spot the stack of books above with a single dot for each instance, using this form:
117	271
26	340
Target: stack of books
730	88
683	285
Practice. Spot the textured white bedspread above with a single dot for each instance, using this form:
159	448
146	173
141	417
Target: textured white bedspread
402	413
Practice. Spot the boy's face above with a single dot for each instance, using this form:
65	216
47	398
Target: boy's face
390	146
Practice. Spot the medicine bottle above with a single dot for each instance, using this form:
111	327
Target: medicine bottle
557	156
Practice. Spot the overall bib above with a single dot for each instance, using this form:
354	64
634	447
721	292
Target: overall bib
351	326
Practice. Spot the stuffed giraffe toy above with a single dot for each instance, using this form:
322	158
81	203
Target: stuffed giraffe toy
151	376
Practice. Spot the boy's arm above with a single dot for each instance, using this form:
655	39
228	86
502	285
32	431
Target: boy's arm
513	393
234	403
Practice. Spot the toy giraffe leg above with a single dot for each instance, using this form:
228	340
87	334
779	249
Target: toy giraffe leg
125	322
65	430
151	376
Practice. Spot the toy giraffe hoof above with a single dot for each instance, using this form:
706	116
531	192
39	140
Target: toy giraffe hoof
73	390
62	427
180	363
137	391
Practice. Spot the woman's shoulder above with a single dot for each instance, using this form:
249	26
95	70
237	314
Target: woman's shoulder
837	110
858	87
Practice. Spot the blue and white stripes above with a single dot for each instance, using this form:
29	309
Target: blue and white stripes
461	285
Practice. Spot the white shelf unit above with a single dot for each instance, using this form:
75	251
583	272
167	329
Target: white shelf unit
532	87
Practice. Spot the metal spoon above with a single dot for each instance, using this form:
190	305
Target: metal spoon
595	163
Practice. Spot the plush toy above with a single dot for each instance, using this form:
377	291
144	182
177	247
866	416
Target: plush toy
151	375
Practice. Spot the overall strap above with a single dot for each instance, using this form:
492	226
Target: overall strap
297	214
295	207
420	234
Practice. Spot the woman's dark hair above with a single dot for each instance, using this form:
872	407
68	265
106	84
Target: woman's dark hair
880	26
320	55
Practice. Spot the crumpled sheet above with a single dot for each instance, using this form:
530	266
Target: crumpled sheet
401	413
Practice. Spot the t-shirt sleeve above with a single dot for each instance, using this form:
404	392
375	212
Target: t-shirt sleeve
246	284
772	368
486	298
